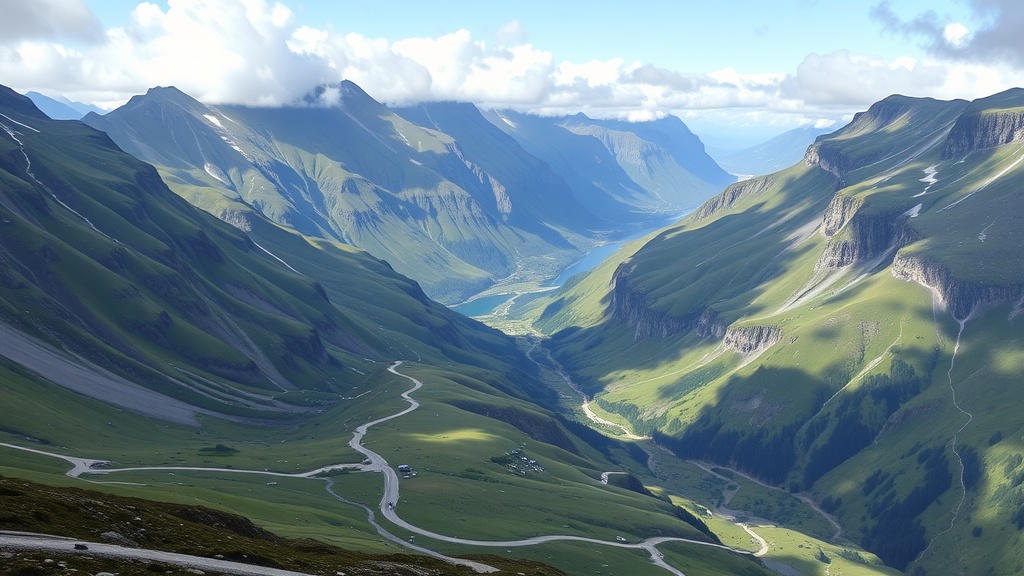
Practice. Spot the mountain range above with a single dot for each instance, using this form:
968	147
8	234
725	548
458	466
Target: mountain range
847	328
821	362
62	109
240	368
438	191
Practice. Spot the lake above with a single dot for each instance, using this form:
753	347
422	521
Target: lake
482	306
486	304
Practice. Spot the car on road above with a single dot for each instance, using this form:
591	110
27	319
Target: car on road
81	547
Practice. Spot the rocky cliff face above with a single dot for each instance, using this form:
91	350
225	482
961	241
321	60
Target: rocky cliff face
983	130
630	307
828	158
839	212
856	235
710	323
961	296
733	194
751	339
838	157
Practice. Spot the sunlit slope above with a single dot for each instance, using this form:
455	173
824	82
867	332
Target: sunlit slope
802	326
533	191
141	331
102	260
351	170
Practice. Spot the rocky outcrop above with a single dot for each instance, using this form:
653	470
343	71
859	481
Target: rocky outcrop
961	296
733	194
751	339
836	154
857	235
982	130
710	324
839	211
827	157
630	306
237	218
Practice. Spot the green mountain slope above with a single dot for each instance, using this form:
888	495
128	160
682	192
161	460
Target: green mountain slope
541	195
90	516
102	260
355	172
189	363
848	327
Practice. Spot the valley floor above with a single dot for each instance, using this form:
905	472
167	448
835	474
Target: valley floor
373	462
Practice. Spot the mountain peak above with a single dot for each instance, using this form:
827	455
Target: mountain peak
168	93
165	94
330	95
11	100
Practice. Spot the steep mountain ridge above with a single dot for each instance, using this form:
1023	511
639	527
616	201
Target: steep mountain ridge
915	122
344	167
542	194
102	259
986	123
622	171
874	287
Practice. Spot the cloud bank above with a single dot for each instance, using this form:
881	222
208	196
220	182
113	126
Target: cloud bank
255	52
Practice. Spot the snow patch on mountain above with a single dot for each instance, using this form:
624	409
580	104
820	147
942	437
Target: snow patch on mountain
214	120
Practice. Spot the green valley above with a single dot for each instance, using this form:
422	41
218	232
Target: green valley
153	351
811	373
841	330
315	288
438	191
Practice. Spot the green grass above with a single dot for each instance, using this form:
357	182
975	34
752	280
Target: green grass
448	446
193	529
757	261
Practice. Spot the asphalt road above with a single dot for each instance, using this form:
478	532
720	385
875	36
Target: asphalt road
45	543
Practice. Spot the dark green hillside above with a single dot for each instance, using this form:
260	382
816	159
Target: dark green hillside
154	351
100	257
810	327
87	515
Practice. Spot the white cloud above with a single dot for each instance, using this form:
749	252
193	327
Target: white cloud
255	52
843	79
48	20
955	34
996	39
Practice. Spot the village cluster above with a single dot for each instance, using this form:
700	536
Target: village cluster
518	462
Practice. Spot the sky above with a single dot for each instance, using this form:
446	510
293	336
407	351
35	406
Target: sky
736	71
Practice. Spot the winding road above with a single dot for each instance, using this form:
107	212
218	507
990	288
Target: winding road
387	508
46	543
